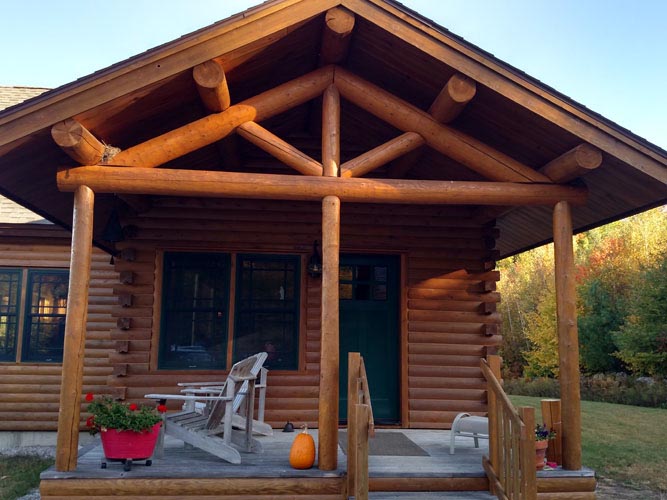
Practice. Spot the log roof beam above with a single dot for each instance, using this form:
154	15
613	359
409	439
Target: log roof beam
376	157
214	127
576	162
276	147
213	184
212	86
452	99
77	141
461	147
336	36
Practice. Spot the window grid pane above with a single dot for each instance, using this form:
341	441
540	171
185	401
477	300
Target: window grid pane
267	309
10	284
194	316
46	306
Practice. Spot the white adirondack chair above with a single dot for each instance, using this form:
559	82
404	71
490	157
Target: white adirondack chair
224	401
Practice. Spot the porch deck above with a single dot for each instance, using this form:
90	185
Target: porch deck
191	473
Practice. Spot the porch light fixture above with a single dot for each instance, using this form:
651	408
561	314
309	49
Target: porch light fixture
315	263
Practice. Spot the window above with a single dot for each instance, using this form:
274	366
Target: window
10	293
363	282
40	309
267	309
195	306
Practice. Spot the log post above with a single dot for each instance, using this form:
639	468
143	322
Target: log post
551	417
331	131
75	330
329	362
493	414
568	340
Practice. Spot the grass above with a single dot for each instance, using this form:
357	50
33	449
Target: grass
624	443
19	474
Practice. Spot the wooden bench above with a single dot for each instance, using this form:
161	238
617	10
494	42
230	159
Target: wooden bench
469	426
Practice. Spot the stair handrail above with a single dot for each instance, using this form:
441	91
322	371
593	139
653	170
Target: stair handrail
360	426
511	465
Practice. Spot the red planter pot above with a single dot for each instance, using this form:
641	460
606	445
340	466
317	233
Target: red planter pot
122	445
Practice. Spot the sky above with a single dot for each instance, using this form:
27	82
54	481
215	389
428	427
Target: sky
609	55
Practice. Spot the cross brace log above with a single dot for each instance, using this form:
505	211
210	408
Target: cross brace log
215	184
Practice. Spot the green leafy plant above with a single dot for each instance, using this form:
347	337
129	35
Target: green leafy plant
109	414
543	434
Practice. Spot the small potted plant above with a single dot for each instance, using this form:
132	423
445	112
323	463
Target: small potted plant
542	437
128	431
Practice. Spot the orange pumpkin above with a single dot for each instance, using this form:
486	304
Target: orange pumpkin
302	454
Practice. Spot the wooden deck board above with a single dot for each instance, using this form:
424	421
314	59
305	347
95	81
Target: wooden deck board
438	471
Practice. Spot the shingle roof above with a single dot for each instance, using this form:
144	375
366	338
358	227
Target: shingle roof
10	212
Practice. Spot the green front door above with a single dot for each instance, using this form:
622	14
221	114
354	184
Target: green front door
369	324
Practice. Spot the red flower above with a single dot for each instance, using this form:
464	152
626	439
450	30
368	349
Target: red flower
90	396
133	406
161	408
90	421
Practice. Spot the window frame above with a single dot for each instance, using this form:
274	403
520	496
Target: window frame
28	315
296	260
18	272
161	364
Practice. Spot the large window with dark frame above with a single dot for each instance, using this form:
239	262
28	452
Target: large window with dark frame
32	317
195	303
267	309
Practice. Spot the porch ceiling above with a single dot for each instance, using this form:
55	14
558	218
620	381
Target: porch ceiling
391	47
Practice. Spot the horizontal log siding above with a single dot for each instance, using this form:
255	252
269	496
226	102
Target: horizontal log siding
451	297
30	392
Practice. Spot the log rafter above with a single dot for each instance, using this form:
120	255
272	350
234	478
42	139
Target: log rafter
449	103
330	81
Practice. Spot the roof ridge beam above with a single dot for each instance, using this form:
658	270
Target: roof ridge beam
461	147
336	36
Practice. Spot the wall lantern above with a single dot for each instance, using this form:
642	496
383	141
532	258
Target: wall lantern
315	263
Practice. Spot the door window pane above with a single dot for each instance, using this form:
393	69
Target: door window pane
195	306
10	284
267	309
46	306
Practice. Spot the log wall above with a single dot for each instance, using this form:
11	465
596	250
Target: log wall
449	319
30	392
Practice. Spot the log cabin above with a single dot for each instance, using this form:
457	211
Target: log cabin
34	269
309	178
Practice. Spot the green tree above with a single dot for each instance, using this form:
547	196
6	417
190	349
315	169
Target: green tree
642	340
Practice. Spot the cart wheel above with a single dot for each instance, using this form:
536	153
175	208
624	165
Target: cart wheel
127	465
149	462
103	465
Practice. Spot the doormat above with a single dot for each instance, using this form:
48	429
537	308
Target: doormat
387	444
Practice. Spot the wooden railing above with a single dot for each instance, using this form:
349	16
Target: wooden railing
511	465
360	426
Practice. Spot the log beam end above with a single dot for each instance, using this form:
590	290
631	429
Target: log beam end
212	86
336	36
75	140
575	163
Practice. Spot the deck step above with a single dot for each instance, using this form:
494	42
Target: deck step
430	495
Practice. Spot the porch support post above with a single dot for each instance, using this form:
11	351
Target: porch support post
329	361
568	339
75	330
